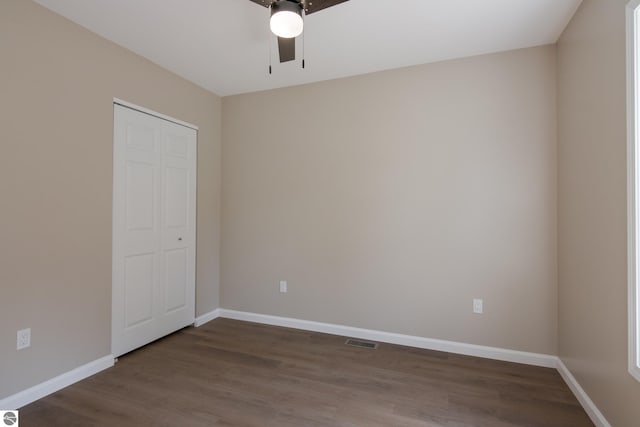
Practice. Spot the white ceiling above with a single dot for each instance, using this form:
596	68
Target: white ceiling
223	45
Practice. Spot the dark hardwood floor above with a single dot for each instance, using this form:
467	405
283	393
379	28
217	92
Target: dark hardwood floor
231	373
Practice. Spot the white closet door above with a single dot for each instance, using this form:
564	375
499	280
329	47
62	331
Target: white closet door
178	242
153	228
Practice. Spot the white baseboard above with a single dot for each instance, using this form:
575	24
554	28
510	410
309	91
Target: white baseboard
590	408
43	389
536	359
207	317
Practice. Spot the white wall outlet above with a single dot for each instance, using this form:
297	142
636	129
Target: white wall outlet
23	338
477	305
283	286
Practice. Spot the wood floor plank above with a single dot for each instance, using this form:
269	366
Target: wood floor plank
233	373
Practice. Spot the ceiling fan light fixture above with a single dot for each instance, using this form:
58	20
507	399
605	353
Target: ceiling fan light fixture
286	19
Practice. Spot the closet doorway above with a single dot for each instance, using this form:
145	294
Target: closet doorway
154	227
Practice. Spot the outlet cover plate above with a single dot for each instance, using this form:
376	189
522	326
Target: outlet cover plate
23	338
477	306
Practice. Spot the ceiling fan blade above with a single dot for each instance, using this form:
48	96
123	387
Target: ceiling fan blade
265	3
310	6
287	48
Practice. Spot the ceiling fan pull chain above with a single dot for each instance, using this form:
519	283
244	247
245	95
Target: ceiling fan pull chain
269	41
303	50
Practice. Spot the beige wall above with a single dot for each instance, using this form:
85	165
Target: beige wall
57	83
592	270
389	201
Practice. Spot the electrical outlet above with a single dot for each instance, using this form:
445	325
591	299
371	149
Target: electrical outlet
23	338
283	286
477	306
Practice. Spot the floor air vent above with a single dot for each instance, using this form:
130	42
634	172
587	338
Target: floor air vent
363	344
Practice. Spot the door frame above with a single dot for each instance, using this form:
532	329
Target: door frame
153	113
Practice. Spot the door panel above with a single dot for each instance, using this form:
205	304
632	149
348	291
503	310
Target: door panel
176	197
138	289
177	144
140	196
141	136
177	275
178	225
153	228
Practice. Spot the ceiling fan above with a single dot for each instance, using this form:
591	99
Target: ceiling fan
286	21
